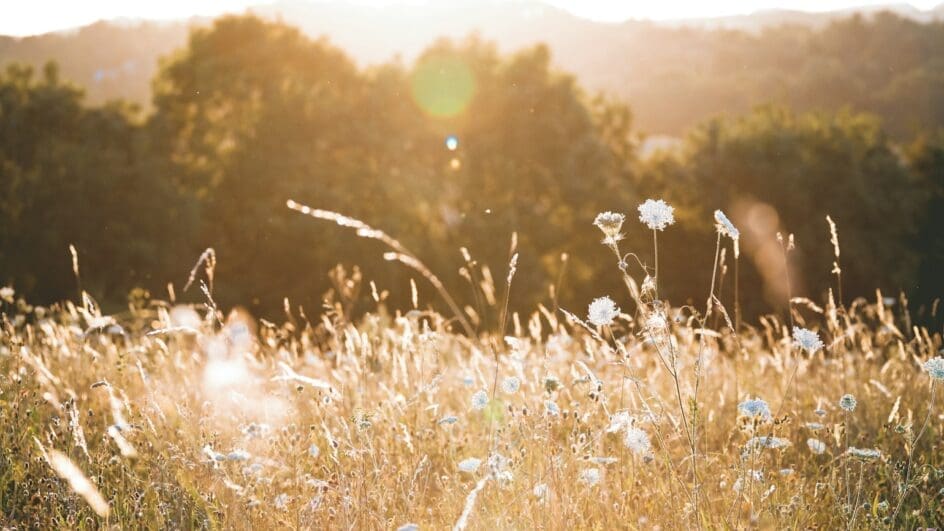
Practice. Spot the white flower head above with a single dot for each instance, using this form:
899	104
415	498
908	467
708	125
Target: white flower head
610	223
725	227
864	454
816	446
619	421
590	476
638	441
767	441
602	311
479	400
656	214
511	384
935	368
755	408
847	403
469	465
807	340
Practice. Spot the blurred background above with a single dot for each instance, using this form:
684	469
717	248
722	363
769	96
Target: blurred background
143	134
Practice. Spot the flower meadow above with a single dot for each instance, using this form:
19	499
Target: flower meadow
629	413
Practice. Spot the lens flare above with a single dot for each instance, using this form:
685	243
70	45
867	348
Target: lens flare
442	85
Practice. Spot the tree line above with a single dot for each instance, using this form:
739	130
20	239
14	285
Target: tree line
458	149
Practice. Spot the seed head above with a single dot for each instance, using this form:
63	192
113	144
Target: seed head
610	223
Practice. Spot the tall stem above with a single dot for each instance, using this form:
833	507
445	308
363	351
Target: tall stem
655	247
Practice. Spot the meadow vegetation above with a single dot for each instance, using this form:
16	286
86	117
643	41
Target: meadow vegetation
634	414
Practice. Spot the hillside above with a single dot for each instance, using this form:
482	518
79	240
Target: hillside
889	63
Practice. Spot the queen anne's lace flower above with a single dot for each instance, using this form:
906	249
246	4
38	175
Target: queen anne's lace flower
590	476
755	408
816	446
469	465
602	311
479	400
935	368
725	226
656	214
808	340
638	441
847	403
865	454
511	384
610	223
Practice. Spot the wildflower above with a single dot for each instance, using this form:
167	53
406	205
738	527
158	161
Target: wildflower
786	471
864	454
656	323
468	381
657	215
847	403
755	409
479	400
610	223
759	443
281	501
725	226
814	426
816	446
602	311
448	419
540	490
497	462
238	455
511	384
619	421
213	455
935	368
590	476
314	451
469	465
637	440
552	408
807	340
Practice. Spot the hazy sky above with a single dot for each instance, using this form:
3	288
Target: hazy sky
29	17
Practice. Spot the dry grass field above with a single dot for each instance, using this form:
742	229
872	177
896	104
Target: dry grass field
181	416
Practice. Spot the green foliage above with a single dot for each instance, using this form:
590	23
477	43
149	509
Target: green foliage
252	113
73	175
779	171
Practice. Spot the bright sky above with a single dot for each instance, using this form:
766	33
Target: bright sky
30	17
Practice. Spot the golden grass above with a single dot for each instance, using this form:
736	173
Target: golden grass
194	422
